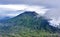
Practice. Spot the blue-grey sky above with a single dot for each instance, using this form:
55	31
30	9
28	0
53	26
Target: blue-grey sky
53	7
11	9
50	3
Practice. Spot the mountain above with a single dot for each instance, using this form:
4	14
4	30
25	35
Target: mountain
28	24
30	20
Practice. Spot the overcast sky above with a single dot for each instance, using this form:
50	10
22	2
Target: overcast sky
51	8
53	5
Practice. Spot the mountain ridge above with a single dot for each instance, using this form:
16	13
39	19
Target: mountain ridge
29	19
28	24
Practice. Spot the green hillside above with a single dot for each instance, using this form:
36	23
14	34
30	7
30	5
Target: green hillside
28	24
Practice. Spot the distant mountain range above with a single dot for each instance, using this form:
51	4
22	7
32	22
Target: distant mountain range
2	19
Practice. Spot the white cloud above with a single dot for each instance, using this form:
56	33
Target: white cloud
13	7
55	22
39	9
52	13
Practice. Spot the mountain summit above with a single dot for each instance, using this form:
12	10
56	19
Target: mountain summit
29	20
26	24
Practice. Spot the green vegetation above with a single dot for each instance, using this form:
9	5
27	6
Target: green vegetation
28	24
30	33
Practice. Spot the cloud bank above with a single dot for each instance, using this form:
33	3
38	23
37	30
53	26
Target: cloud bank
52	5
12	10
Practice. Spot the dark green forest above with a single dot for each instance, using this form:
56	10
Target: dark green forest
28	24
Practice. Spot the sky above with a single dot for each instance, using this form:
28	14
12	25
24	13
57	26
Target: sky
13	9
49	8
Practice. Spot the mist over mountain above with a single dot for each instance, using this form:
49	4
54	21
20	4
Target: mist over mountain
27	23
54	15
30	20
11	14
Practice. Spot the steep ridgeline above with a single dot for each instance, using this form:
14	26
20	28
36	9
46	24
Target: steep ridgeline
29	20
